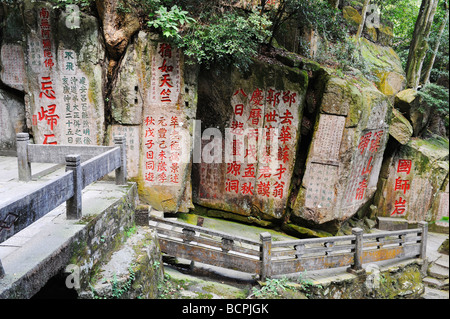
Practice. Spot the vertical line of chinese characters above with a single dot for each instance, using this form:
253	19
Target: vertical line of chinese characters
47	97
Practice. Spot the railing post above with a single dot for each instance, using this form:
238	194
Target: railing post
266	255
22	140
121	173
2	271
356	268
423	242
73	205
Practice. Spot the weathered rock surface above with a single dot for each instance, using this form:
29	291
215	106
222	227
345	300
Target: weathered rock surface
385	64
249	178
414	179
12	120
400	128
345	155
62	78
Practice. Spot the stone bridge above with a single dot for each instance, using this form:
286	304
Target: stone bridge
51	241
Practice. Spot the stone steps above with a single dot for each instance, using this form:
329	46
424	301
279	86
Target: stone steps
437	281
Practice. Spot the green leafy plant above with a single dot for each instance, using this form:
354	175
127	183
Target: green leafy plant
435	96
229	38
170	21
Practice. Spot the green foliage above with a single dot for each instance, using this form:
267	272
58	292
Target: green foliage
436	97
227	39
271	289
61	4
170	22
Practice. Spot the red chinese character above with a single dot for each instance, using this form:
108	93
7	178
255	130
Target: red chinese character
375	142
404	166
271	116
364	141
283	154
149	176
149	144
162	132
288	97
286	118
249	171
280	171
174	179
401	184
150	132
239	109
368	168
149	155
47	89
257	97
49	115
149	121
174	168
236	147
49	63
162	167
264	172
165	95
162	178
400	207
237	127
150	165
278	189
273	97
174	122
263	189
232	186
47	142
165	50
247	188
162	121
255	115
162	155
44	13
165	81
241	91
234	168
165	68
285	135
361	190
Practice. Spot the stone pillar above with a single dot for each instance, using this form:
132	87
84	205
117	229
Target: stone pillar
22	140
266	255
356	268
2	271
121	173
423	242
73	205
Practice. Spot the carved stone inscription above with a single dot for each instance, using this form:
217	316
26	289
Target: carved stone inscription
328	137
320	180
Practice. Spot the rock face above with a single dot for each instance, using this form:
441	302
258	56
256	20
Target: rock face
287	142
345	155
385	64
414	182
254	118
63	76
154	104
12	120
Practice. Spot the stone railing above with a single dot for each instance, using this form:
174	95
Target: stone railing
84	165
269	258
